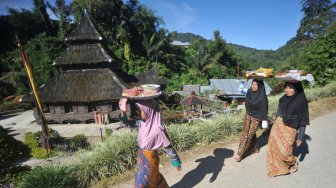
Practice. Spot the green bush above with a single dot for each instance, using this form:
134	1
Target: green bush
48	176
31	141
108	132
10	151
54	138
40	153
37	151
78	141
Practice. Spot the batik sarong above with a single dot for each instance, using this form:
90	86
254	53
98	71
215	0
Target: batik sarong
248	140
147	170
280	156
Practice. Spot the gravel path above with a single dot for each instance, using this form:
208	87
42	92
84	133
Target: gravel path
317	167
24	122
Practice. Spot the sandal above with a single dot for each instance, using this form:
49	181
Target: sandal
294	168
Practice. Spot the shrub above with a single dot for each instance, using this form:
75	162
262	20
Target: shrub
10	151
37	151
55	138
30	140
78	141
41	153
108	132
48	176
114	156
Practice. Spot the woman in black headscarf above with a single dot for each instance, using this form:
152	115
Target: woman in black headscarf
292	117
256	105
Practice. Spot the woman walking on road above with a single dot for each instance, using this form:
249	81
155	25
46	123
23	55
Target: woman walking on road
292	118
256	105
152	136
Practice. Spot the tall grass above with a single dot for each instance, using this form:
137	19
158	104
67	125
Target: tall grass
114	156
118	153
56	176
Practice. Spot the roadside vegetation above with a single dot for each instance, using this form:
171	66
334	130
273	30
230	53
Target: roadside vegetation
117	155
138	45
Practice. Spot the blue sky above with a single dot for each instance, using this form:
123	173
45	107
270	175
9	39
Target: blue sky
260	24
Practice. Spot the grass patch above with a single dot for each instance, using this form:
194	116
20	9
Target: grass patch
116	156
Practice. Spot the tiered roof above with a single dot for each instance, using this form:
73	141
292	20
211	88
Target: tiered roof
84	47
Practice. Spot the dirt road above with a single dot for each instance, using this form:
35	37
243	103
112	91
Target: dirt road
317	164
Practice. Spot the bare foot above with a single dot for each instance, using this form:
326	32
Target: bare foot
237	158
294	168
270	175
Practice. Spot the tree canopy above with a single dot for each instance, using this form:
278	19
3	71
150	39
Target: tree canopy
137	37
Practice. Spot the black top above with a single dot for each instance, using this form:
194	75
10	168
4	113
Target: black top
256	102
295	106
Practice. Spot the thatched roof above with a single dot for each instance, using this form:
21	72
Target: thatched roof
81	87
84	31
151	77
90	53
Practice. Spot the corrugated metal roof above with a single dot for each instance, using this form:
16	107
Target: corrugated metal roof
231	86
205	89
191	88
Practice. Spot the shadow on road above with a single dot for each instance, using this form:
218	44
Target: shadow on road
303	150
7	116
208	165
263	139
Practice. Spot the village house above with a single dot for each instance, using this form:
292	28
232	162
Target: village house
90	80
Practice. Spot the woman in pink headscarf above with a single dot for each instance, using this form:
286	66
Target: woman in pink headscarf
152	136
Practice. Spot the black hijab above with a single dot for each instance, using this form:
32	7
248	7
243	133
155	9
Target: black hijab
256	102
295	105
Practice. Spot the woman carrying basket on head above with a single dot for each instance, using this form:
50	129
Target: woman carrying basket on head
152	136
292	118
256	105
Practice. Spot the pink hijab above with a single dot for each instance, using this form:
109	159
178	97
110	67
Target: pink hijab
152	134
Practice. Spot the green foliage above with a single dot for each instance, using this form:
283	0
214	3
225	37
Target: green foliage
234	105
42	51
108	132
40	153
193	76
109	158
49	176
318	14
54	138
186	37
25	23
172	114
321	92
31	140
118	153
78	141
11	150
320	59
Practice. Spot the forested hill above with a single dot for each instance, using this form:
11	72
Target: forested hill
186	37
251	57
